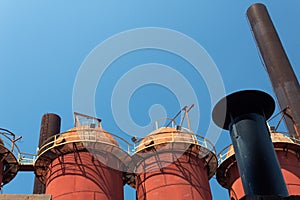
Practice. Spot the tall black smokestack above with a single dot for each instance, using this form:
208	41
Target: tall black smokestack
246	113
284	81
50	126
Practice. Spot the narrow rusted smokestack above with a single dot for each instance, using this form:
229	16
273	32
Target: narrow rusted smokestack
276	62
246	115
50	126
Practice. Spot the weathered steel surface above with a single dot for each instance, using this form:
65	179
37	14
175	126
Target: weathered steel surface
50	126
186	178
276	62
80	175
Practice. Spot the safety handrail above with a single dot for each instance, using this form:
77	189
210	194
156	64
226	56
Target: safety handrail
84	135
225	153
156	124
289	136
173	136
229	151
26	158
9	142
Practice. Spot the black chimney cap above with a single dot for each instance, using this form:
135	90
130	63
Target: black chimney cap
242	102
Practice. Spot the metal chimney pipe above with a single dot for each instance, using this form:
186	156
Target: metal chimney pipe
50	126
246	113
276	62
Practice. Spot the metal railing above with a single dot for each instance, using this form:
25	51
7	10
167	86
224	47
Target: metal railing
8	141
26	158
287	135
168	122
225	153
229	151
85	135
179	136
99	136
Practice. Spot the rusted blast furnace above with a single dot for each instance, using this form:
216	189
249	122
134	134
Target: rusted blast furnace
276	62
173	163
82	163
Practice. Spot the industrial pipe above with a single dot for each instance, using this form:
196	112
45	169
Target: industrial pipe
276	62
246	113
50	126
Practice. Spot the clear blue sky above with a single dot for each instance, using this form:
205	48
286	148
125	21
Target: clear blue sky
44	43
